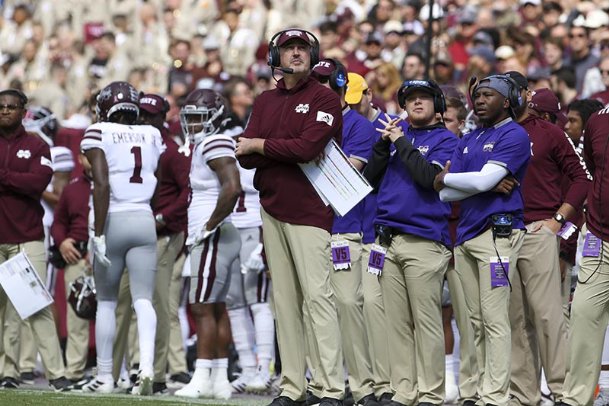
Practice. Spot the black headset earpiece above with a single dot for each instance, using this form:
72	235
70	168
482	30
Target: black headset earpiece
274	58
338	78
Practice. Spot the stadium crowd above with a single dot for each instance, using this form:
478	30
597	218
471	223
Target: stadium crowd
149	169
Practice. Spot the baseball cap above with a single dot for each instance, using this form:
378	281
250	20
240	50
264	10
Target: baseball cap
374	37
484	52
153	103
504	52
533	2
355	89
545	101
483	38
393	26
293	34
468	15
495	83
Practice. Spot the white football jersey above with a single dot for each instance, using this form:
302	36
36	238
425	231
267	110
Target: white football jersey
62	161
132	153
204	183
247	209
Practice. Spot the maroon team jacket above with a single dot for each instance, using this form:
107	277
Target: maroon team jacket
296	124
596	153
25	172
552	158
72	211
173	191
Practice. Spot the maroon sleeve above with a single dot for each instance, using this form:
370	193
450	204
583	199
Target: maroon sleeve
320	127
253	161
179	169
575	168
588	134
35	181
61	219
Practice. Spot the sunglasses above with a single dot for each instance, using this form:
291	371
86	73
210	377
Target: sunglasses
604	71
582	35
10	107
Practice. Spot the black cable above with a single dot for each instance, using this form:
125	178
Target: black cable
506	272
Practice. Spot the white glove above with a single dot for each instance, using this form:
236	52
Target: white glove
99	250
255	263
204	234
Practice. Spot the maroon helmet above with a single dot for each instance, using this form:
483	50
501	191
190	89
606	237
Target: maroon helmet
117	96
83	298
203	114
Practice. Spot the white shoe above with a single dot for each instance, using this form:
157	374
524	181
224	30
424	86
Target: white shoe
124	384
197	388
97	386
603	398
451	388
143	385
260	383
222	389
241	382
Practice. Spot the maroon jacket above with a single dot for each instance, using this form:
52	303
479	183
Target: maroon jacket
553	157
25	172
172	195
72	211
596	153
297	124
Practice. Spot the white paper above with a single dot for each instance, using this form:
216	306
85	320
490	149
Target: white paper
336	180
23	286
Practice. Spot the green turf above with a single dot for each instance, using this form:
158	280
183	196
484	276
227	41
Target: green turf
46	398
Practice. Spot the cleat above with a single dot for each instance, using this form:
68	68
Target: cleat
97	386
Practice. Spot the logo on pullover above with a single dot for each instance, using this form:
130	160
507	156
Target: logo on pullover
24	153
325	117
488	147
302	108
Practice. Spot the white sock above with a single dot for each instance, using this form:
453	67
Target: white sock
202	369
242	328
220	369
184	326
146	327
449	362
105	328
265	334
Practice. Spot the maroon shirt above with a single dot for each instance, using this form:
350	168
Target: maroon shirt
596	152
172	195
553	157
294	124
72	212
25	172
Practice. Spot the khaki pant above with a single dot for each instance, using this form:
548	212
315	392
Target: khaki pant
411	283
349	300
299	260
176	356
43	325
489	309
27	349
168	248
77	345
589	318
469	375
536	316
375	324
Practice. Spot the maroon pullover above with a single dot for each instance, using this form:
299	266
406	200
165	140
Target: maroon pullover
552	158
297	124
72	211
25	172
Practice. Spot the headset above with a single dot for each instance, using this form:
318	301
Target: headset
338	79
439	101
514	95
274	58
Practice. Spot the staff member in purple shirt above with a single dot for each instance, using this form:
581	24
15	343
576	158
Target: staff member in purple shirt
289	125
412	230
491	225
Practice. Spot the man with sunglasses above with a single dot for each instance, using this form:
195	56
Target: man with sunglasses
25	171
412	236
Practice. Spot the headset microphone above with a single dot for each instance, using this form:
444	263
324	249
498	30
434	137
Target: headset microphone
284	70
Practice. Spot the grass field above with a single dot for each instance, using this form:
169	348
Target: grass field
18	397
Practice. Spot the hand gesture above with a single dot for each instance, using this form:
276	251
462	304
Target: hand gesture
438	182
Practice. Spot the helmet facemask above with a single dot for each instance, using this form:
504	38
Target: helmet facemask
199	122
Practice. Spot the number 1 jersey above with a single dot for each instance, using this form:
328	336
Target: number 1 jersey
132	153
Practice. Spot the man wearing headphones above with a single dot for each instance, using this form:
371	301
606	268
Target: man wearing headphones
289	125
411	255
346	274
491	225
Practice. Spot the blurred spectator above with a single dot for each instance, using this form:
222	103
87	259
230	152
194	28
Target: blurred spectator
578	113
238	93
53	93
394	51
239	43
553	51
107	64
481	62
413	67
385	83
16	31
443	69
29	69
581	58
530	13
563	85
550	15
603	68
465	30
594	81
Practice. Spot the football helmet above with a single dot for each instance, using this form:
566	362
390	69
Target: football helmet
83	297
203	114
117	97
42	122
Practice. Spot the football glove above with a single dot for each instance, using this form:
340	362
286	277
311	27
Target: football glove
99	250
255	263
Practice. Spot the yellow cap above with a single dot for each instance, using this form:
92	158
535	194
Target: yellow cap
355	88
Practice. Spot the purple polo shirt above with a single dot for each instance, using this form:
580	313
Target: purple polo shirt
506	144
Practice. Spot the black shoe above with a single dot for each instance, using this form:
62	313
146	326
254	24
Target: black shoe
61	384
286	401
78	383
426	404
395	403
8	382
369	400
28	378
469	403
312	400
385	398
178	380
133	373
159	389
330	402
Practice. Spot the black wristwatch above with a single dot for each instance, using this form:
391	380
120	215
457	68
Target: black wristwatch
560	218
